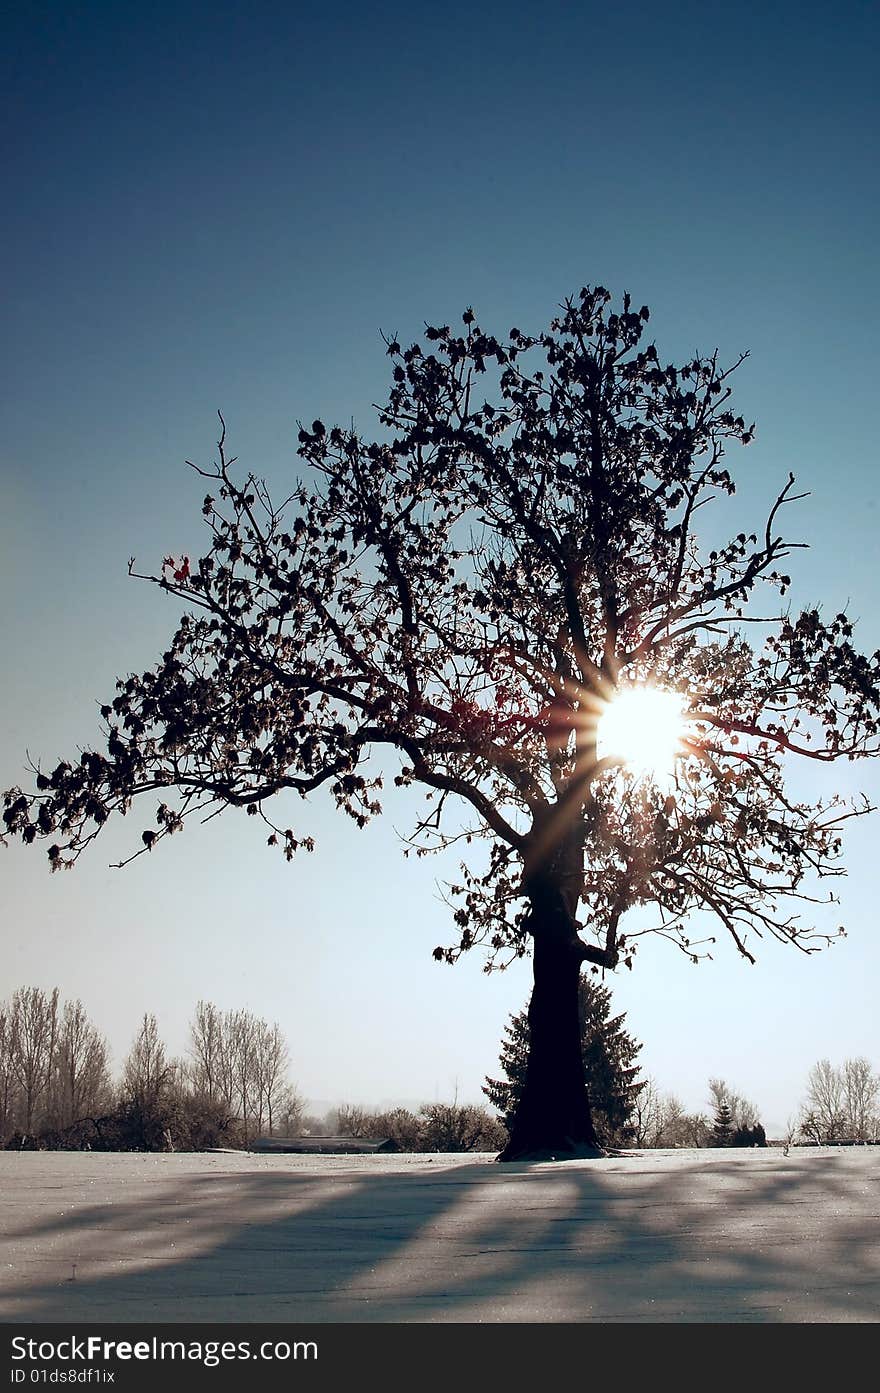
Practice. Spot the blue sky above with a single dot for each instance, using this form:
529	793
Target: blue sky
220	207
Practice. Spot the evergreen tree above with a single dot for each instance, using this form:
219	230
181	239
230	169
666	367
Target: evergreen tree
608	1053
722	1130
749	1136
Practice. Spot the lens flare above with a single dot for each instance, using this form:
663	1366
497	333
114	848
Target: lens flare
643	727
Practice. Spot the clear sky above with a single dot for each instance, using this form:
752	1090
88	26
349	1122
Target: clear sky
221	206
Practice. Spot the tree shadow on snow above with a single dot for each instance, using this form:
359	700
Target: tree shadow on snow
748	1237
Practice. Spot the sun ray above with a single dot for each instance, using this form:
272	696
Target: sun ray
643	726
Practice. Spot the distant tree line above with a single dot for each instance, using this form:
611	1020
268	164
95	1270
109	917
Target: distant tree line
652	1120
661	1120
841	1105
53	1064
435	1127
627	1110
56	1089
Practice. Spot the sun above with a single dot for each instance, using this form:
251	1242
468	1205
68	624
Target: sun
643	726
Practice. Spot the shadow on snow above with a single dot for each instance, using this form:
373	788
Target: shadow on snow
718	1239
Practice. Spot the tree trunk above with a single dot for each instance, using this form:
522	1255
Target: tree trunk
553	1119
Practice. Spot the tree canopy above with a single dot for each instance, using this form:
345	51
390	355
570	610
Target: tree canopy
465	593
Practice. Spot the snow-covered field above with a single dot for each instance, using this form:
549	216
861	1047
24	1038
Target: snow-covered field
654	1236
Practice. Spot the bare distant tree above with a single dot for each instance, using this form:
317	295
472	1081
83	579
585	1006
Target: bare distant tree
288	1120
220	1050
672	1114
661	1120
678	1127
32	1041
242	1029
694	1129
743	1114
460	1127
398	1125
7	1077
824	1110
438	1127
242	1062
354	1121
811	1126
206	1048
271	1062
150	1090
146	1070
861	1087
793	1127
647	1117
81	1081
227	1056
53	1063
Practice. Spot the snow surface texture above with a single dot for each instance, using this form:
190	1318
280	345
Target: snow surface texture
669	1236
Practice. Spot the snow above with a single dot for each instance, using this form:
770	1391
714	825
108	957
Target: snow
669	1236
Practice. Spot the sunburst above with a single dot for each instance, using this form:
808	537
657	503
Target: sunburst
643	726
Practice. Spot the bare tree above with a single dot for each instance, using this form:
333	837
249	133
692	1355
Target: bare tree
148	1089
206	1049
33	1033
53	1063
647	1115
354	1121
7	1075
811	1126
825	1114
674	1115
81	1081
242	1028
288	1120
241	1061
460	1127
398	1125
743	1114
794	1127
861	1087
271	1063
146	1070
677	1127
694	1129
